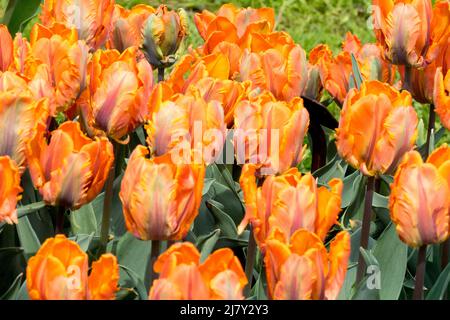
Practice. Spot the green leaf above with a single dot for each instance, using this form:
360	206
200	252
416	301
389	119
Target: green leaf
19	12
29	208
207	183
133	254
333	169
13	291
28	238
356	73
363	292
380	201
207	245
392	255
83	240
355	240
350	277
130	279
368	288
223	220
23	292
352	184
84	220
438	290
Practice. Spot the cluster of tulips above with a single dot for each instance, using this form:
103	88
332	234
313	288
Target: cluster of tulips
110	72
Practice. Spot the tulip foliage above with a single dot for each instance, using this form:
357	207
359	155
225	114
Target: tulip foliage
135	165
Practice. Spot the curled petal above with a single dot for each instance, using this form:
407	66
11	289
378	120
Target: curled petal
9	190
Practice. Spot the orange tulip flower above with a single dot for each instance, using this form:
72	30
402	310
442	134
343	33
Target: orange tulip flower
59	271
6	50
188	122
91	19
71	169
378	125
9	190
441	97
128	24
191	69
13	53
118	92
163	33
371	59
288	202
420	198
20	114
56	65
228	92
14	83
314	86
160	198
233	25
411	31
183	277
303	269
335	73
283	71
423	81
270	133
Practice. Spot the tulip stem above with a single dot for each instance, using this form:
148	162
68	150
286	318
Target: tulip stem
107	202
150	275
250	261
59	222
420	273
365	229
407	82
160	74
431	121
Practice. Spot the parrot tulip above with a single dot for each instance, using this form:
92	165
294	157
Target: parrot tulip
160	198
376	146
59	271
420	198
183	277
288	202
9	190
303	269
71	169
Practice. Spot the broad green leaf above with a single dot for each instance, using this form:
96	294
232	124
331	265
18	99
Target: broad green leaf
28	238
130	279
363	292
380	201
207	185
18	13
355	239
369	287
83	220
350	277
29	208
223	220
13	291
352	185
392	256
333	169
23	292
133	254
83	240
439	289
208	244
